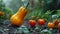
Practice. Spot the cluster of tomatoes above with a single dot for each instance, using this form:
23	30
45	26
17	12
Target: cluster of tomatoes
32	23
56	22
41	22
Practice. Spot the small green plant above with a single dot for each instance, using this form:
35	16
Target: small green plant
46	32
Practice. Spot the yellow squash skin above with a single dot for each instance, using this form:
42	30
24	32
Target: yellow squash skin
17	18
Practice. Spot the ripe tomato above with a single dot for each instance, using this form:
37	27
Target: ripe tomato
32	17
59	26
1	13
56	22
50	25
41	22
32	23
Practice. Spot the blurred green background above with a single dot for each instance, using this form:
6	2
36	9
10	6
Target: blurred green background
47	9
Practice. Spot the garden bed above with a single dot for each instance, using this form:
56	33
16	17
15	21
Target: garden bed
9	29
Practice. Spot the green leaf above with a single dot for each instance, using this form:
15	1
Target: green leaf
46	32
58	13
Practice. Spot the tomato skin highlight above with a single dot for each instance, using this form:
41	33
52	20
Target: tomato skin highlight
32	23
41	22
59	26
50	25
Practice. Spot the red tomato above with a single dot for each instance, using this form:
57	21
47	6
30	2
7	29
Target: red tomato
32	23
59	26
41	22
56	22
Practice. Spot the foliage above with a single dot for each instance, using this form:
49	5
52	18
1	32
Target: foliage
22	29
46	32
5	10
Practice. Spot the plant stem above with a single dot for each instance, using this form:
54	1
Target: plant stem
27	4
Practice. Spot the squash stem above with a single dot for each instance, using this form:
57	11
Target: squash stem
27	4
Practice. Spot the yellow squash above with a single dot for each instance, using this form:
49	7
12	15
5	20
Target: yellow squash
17	18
